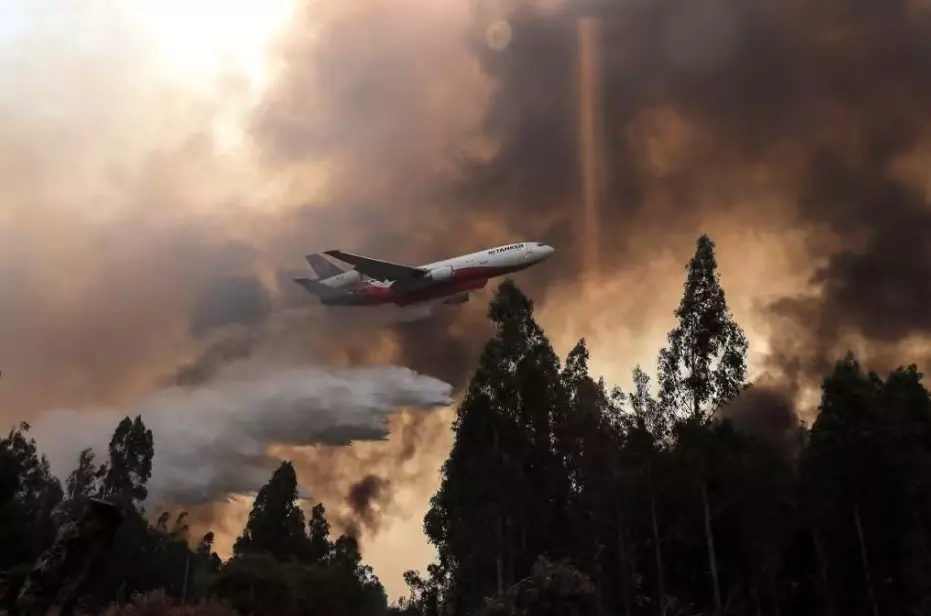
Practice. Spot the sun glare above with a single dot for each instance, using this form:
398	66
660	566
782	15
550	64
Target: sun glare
207	38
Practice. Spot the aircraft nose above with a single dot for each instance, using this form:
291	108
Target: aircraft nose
546	251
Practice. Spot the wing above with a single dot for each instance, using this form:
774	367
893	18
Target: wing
373	268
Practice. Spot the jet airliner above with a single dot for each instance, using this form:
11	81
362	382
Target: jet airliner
373	282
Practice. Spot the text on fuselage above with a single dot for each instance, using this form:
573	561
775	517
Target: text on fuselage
505	248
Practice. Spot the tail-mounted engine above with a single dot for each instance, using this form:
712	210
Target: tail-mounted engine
441	274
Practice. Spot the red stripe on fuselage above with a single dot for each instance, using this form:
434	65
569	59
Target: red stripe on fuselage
465	279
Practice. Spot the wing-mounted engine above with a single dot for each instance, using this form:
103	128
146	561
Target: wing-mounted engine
458	298
441	274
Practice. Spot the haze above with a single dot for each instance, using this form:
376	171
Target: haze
166	165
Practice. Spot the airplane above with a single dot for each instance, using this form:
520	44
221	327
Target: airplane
373	282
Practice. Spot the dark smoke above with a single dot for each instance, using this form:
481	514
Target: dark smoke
365	498
766	411
232	346
830	98
242	300
879	284
744	115
760	114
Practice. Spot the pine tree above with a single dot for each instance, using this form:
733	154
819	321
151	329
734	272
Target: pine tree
866	486
205	552
705	364
503	487
130	464
32	496
704	367
276	522
320	546
468	520
81	480
426	593
552	589
589	440
346	553
82	483
645	408
535	398
642	467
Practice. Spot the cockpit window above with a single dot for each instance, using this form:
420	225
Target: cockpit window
539	243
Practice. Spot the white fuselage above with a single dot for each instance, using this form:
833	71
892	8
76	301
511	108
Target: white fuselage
505	257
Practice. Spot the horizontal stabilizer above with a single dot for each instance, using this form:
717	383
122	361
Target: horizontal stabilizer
317	288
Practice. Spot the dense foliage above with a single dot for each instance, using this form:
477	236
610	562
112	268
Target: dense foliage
703	497
282	565
562	497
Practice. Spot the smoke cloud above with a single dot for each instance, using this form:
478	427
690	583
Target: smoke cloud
214	441
150	222
363	500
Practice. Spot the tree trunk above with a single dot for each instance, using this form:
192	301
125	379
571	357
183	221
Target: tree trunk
187	574
822	568
622	557
510	573
712	559
499	529
499	555
866	566
660	575
774	589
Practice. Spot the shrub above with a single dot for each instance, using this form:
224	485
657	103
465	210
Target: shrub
157	603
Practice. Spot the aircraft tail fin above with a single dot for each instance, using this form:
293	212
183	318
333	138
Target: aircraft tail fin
317	288
322	267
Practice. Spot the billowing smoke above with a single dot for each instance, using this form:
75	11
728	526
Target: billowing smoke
138	248
770	115
364	504
766	411
214	440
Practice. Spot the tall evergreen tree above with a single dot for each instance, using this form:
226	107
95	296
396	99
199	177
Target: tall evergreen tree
704	367
82	483
276	522
32	496
865	476
426	593
642	467
533	395
81	480
470	520
319	546
589	440
503	487
130	465
205	552
646	410
705	364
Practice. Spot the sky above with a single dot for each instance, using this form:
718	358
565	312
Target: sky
166	165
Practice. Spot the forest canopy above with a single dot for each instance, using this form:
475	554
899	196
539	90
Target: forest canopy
689	492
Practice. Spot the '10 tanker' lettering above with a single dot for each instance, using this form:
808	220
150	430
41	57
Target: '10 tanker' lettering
511	247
